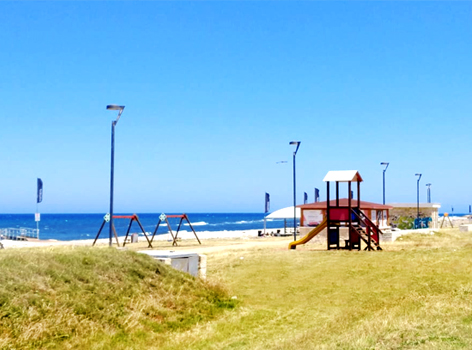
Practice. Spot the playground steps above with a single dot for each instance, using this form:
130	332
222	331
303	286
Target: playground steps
364	236
374	231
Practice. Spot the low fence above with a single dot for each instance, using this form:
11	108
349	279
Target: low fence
19	233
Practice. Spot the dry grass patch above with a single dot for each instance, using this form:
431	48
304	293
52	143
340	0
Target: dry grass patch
415	294
97	298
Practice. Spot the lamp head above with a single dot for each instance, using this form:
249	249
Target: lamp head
297	143
386	165
419	176
115	107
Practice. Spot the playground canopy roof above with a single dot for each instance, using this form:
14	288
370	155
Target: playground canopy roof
343	176
284	213
344	202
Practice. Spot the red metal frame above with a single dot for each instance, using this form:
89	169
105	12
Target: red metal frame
132	218
182	217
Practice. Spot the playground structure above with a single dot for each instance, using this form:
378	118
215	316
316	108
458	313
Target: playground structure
347	214
132	218
163	217
446	216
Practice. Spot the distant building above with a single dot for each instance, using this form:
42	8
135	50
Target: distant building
427	210
313	213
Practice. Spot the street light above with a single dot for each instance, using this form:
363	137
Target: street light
113	124
418	196
429	192
386	166
296	143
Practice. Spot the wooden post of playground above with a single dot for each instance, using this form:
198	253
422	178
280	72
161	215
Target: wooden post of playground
349	201
132	218
100	230
446	215
327	214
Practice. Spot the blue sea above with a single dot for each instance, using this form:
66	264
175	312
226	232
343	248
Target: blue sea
85	226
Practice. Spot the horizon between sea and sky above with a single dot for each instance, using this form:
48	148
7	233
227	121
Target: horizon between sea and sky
215	91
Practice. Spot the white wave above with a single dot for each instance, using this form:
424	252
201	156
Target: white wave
244	222
200	223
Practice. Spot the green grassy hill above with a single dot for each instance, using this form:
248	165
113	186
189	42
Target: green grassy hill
415	294
97	299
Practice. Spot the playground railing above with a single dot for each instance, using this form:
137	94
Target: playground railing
19	233
367	222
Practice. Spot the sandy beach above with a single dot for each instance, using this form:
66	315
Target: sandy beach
183	235
189	235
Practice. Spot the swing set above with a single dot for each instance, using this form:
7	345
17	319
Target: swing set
132	218
446	215
163	217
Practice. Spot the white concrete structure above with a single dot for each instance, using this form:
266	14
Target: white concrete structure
465	228
410	209
188	262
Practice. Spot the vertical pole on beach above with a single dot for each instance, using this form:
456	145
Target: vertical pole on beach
39	199
296	143
418	196
112	166
429	193
36	218
386	166
266	209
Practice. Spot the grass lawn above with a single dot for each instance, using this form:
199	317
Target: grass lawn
416	294
98	298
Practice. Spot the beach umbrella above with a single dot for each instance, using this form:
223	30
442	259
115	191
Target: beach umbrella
284	213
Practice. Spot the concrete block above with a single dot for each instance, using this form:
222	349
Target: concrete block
187	262
202	266
465	228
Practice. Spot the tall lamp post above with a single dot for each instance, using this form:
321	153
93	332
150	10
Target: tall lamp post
386	166
113	124
418	196
429	192
297	144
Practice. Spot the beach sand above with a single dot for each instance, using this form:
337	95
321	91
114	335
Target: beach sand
158	239
164	241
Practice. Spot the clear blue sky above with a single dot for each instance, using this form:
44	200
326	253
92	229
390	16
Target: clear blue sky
215	91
